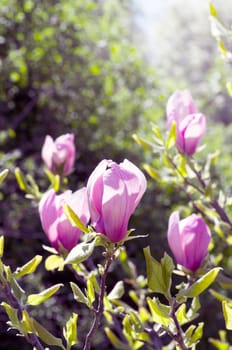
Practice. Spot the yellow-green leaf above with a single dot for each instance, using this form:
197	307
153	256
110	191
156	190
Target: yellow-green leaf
70	331
212	9
37	299
140	141
3	175
54	262
46	336
152	172
29	267
1	246
115	341
74	219
21	180
158	314
78	294
12	313
200	285
227	312
80	253
171	137
117	292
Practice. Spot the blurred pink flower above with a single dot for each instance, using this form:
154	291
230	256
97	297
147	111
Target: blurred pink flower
189	133
59	155
179	105
54	222
190	124
188	240
114	191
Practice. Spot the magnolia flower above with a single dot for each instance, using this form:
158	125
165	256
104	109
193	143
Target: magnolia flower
188	240
55	224
179	105
114	191
190	124
59	155
189	133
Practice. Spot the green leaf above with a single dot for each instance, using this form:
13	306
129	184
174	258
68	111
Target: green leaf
197	335
158	135
212	9
29	267
12	314
219	296
78	294
229	88
37	299
171	137
90	292
200	285
181	314
1	246
3	175
115	341
227	312
80	253
74	219
117	292
159	314
220	345
70	331
54	262
21	181
159	275
140	141
16	288
152	172
46	336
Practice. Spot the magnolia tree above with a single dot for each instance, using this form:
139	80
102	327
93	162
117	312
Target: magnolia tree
158	312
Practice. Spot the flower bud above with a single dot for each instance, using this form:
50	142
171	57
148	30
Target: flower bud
59	155
188	240
55	224
179	105
114	191
189	133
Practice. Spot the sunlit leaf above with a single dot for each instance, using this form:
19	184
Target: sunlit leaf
37	299
70	331
158	313
80	253
54	262
78	294
201	284
117	292
74	219
3	175
227	312
29	267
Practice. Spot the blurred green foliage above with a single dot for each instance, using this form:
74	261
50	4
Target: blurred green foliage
75	66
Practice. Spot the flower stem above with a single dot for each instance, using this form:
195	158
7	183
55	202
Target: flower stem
178	336
100	306
30	337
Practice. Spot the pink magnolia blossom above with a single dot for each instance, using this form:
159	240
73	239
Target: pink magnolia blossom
188	240
114	191
59	155
179	105
190	124
189	133
54	222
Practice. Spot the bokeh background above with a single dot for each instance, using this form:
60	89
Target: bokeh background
102	70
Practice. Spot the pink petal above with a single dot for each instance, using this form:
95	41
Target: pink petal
47	151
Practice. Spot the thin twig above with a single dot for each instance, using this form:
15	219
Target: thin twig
178	336
100	307
31	337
